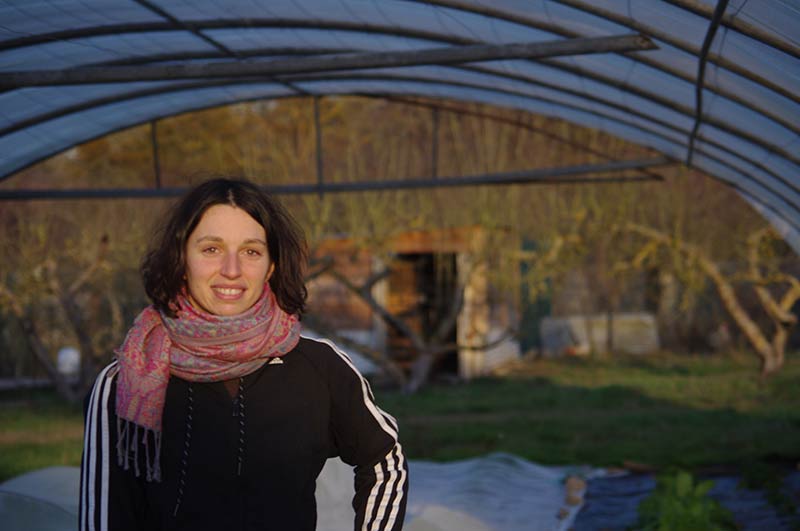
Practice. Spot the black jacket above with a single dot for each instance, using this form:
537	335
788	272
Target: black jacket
251	462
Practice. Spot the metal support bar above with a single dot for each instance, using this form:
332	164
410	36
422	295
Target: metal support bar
559	175
442	55
662	34
435	142
180	24
190	27
701	74
741	25
527	125
318	135
156	161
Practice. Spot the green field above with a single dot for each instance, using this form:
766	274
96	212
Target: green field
659	411
37	430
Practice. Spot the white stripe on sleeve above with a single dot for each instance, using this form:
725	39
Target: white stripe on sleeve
373	495
391	466
388	491
378	413
95	487
105	439
85	462
399	490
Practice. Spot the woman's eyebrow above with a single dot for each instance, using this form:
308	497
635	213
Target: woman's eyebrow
212	238
209	238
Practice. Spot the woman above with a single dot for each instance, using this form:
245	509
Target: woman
216	414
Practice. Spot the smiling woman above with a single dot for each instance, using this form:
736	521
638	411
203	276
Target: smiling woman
200	215
227	262
216	413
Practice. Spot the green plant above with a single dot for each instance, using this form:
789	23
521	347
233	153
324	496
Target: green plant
681	504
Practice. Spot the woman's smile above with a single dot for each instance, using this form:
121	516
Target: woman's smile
228	293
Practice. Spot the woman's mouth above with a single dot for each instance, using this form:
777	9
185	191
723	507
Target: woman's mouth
228	293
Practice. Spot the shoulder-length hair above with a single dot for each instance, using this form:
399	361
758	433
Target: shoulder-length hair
164	266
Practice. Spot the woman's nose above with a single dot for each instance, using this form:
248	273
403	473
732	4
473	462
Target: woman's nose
231	268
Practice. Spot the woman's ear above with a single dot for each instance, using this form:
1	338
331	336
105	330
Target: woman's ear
270	271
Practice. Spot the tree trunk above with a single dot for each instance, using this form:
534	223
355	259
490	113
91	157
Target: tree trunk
40	352
428	350
89	365
420	371
37	347
773	361
770	353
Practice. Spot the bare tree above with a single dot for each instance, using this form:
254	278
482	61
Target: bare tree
778	308
370	139
67	299
429	345
58	282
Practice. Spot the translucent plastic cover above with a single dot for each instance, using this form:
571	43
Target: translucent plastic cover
748	112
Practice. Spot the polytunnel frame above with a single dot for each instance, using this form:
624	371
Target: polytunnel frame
736	168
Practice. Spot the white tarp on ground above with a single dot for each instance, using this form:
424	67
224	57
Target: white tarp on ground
499	492
44	500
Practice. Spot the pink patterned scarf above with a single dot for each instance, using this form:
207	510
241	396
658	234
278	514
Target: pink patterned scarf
196	346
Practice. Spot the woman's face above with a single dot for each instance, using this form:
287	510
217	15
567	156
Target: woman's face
227	263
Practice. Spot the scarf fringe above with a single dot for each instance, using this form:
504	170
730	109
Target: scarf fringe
128	443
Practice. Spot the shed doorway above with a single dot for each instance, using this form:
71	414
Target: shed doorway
422	287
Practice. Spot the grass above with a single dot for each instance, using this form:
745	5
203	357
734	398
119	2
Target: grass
662	411
659	411
37	430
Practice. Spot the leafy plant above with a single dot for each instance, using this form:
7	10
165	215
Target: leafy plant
681	504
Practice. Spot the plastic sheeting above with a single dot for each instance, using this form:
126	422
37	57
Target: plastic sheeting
498	492
45	500
750	134
612	503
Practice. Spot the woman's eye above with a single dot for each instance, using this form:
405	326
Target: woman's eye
209	250
252	252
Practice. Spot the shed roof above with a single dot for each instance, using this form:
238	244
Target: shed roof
721	90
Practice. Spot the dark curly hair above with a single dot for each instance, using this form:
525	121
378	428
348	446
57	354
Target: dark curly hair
164	265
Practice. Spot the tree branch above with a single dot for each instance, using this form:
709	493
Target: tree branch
507	334
775	311
374	279
102	250
388	318
724	288
74	313
322	266
447	324
37	346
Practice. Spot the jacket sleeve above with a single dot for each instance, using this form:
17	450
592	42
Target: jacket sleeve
111	499
366	437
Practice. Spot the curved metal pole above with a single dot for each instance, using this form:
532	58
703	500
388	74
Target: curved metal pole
364	60
701	75
558	175
318	136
